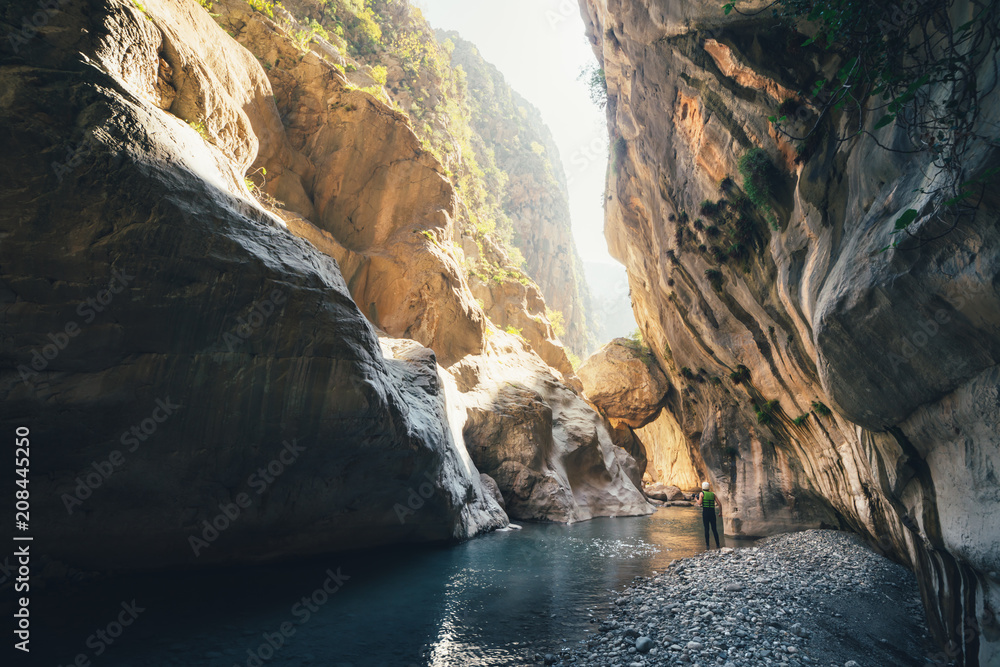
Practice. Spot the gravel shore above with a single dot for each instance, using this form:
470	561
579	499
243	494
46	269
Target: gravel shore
818	597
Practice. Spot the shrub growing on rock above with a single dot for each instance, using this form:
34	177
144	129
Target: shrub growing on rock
714	278
758	174
820	409
765	411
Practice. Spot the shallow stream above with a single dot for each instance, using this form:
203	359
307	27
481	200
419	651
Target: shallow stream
489	601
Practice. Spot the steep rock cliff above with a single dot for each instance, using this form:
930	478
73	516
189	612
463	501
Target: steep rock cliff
764	318
509	205
536	196
198	384
178	342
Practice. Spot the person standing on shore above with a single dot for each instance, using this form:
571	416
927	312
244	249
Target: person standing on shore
708	501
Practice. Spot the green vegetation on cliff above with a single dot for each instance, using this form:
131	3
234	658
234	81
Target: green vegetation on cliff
535	197
483	134
922	67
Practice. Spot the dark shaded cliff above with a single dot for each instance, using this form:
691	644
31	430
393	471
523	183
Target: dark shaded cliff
210	375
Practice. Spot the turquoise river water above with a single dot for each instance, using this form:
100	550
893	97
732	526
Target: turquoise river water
489	601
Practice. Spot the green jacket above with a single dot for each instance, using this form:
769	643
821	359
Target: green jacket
708	500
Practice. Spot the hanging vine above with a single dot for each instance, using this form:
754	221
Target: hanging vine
913	65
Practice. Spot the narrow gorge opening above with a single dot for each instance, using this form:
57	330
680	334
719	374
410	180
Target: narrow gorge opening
421	332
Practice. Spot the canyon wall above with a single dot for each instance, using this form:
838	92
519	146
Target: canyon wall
820	380
512	220
234	316
536	195
198	383
625	383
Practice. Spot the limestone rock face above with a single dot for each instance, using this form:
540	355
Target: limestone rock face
625	382
217	363
362	166
819	381
354	177
536	194
351	165
183	349
668	452
551	454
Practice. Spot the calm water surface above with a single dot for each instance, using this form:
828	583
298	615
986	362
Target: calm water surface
489	601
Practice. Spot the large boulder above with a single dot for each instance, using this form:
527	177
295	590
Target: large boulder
550	453
198	383
664	492
625	382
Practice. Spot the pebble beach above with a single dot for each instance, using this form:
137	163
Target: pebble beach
818	597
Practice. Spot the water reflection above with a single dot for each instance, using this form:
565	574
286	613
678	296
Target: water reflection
489	601
544	584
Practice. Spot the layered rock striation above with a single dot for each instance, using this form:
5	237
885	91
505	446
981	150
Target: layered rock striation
820	381
624	381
